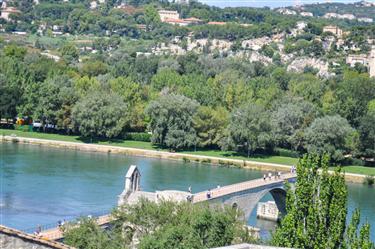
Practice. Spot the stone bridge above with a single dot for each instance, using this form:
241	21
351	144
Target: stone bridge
244	195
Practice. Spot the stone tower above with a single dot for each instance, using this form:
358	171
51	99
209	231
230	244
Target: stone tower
372	62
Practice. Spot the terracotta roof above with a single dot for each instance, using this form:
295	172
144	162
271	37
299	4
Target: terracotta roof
192	19
216	23
11	10
170	20
32	238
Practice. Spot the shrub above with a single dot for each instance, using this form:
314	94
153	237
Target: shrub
287	153
23	127
369	180
138	136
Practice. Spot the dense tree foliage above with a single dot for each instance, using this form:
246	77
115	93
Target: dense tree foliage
162	225
171	121
317	211
100	114
192	101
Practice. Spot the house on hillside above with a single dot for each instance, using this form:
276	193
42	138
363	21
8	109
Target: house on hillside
334	30
365	19
364	59
8	11
168	15
306	14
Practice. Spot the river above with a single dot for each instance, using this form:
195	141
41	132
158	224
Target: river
40	185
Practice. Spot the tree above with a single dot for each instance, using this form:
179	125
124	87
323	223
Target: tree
135	96
289	121
316	211
9	98
94	68
210	125
55	99
249	129
353	95
152	18
88	235
69	52
100	114
332	135
162	225
171	121
367	131
166	78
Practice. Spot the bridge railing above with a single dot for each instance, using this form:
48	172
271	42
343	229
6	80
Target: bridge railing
237	187
50	226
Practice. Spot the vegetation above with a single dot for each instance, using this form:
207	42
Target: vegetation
369	180
317	211
164	225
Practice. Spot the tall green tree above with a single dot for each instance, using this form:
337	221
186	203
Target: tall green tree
317	211
100	114
210	125
249	129
289	121
171	121
333	135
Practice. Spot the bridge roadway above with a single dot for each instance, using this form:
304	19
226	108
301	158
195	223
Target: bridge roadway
57	234
242	186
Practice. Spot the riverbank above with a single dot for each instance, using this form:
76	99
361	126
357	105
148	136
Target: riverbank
249	164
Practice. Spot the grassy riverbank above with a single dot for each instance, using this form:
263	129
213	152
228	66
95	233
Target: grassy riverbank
148	146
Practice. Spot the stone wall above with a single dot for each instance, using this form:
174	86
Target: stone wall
14	239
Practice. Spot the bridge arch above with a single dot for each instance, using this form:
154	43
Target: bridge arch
247	201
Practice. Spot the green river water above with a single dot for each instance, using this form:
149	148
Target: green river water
40	185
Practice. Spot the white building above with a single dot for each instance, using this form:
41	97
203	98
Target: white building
365	19
353	59
93	5
372	62
301	25
347	16
285	11
168	14
6	12
366	60
307	14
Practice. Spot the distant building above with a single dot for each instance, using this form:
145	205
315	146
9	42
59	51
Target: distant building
353	59
179	22
307	14
180	1
216	23
366	60
331	15
285	11
365	19
168	14
334	30
6	12
93	5
347	16
301	25
372	63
